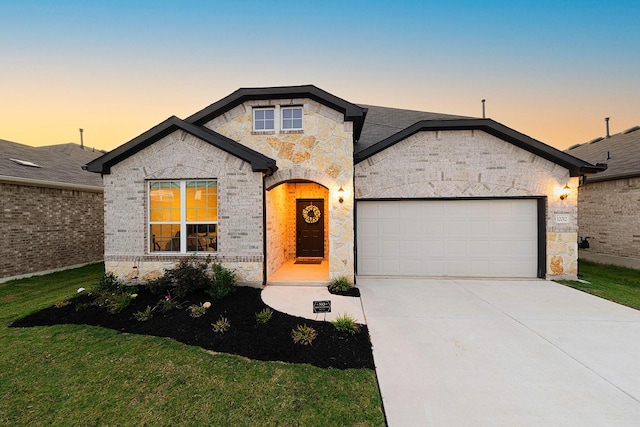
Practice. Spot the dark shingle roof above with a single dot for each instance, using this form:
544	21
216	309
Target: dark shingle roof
60	163
382	122
258	161
576	166
623	151
374	129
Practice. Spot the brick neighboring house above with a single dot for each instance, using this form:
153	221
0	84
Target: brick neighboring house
609	202
268	175
51	210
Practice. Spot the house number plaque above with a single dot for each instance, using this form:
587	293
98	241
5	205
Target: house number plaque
322	306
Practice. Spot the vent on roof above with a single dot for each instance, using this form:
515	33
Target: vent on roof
593	141
26	163
574	146
633	129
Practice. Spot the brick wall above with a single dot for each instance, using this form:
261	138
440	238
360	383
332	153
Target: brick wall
46	228
451	164
609	213
182	156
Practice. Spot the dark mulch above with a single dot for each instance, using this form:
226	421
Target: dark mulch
270	341
353	292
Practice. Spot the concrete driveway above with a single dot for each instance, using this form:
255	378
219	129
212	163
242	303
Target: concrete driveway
501	353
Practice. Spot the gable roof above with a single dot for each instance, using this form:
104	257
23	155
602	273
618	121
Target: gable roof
60	163
258	161
351	112
576	166
621	152
375	129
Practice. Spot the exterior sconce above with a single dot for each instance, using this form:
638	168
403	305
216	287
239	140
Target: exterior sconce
565	192
341	194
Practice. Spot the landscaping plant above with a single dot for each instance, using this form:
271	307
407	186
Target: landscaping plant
144	315
346	323
190	275
197	310
340	284
222	325
264	315
304	335
223	282
113	293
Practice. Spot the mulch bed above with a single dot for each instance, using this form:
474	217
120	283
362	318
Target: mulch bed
271	341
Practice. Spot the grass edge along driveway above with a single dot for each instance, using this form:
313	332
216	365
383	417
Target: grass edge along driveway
82	375
617	284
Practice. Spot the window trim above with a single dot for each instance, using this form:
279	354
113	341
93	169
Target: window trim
183	223
291	107
254	120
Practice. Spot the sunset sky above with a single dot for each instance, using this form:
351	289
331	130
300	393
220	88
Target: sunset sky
550	69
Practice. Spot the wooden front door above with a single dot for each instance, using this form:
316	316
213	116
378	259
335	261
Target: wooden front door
310	228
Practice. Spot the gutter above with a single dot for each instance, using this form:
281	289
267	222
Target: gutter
49	184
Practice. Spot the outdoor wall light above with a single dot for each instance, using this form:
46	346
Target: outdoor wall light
341	194
565	192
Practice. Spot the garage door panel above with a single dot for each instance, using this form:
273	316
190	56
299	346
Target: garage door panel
478	238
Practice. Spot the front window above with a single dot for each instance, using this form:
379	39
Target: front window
264	119
183	216
291	118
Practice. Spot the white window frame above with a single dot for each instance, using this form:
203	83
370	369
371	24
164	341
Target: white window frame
291	108
183	218
275	119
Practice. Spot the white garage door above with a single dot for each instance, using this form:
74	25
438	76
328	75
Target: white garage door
464	238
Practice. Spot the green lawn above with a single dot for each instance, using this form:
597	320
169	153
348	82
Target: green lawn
618	284
83	375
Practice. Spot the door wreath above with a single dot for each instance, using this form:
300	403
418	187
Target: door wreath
311	214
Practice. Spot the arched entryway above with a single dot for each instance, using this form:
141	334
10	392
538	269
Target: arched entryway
297	233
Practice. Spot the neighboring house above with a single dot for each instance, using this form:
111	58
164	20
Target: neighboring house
609	202
51	211
266	175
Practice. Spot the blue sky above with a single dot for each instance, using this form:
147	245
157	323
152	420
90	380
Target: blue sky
550	69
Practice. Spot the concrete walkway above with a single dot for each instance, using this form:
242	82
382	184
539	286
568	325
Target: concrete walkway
502	353
298	301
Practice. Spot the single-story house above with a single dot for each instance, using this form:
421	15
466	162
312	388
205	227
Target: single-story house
51	211
267	175
609	202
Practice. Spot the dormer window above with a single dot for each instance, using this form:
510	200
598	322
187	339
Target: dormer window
291	118
264	119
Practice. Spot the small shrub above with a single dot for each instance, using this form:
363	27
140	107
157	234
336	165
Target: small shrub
167	304
113	293
221	326
346	323
61	304
223	282
340	284
303	334
188	276
264	316
196	310
144	315
119	301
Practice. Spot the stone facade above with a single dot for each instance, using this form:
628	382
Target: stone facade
321	153
49	228
281	221
474	164
183	156
599	203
